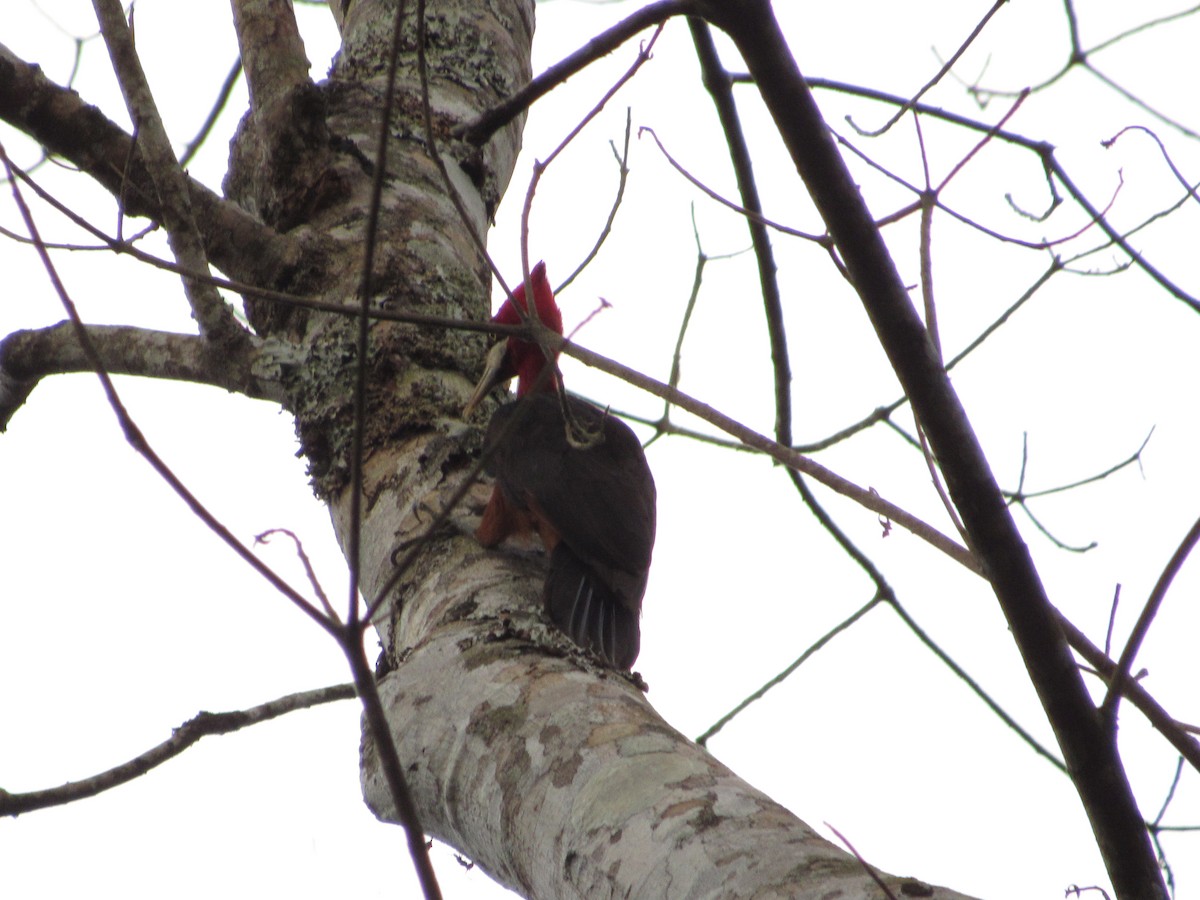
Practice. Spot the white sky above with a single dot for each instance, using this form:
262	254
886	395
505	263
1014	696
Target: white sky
121	616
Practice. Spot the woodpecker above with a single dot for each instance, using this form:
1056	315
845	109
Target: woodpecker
578	478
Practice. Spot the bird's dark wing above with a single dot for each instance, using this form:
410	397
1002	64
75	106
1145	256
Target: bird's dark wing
589	611
600	499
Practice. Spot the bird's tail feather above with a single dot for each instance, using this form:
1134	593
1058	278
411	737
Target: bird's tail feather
588	610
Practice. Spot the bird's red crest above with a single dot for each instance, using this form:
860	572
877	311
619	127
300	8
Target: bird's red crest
543	302
525	358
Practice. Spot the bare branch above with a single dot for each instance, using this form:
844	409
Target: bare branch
272	53
1176	732
1021	495
703	738
216	320
946	67
223	94
478	131
190	732
56	117
1142	627
1049	161
28	356
775	450
720	88
353	632
1191	191
1097	774
755	217
622	159
540	166
313	581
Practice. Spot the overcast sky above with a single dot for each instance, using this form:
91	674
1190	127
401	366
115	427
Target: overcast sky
121	616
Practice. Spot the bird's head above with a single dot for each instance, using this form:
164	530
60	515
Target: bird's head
516	357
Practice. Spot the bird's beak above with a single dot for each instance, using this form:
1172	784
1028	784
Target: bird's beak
493	374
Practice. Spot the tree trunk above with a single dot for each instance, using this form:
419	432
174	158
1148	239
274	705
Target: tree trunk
555	776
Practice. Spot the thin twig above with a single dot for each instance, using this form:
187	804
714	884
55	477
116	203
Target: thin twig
1175	731
1179	176
720	88
190	732
975	687
540	166
1112	620
1021	495
353	631
823	239
365	289
622	159
791	667
1142	627
483	127
867	867
1044	151
192	146
946	67
313	581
